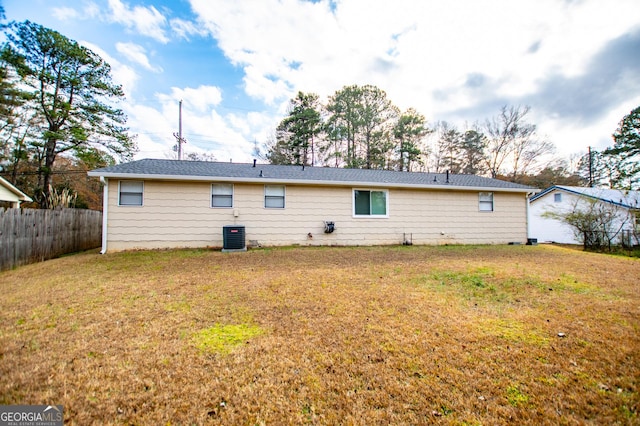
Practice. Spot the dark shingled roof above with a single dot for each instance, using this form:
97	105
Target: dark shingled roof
267	173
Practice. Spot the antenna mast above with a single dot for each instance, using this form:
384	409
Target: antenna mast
178	136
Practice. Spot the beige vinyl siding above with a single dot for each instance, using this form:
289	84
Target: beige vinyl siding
179	214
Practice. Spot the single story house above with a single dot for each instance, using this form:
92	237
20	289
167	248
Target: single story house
11	194
170	203
561	199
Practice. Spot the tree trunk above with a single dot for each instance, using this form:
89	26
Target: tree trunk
50	157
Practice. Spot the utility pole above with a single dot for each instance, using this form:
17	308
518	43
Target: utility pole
178	136
590	169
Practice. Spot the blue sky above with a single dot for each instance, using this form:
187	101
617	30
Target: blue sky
235	64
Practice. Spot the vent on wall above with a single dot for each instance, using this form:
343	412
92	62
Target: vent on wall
233	238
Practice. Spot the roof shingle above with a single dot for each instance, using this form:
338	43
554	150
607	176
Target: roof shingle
216	171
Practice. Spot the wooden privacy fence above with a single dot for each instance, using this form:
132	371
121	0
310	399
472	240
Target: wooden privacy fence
30	235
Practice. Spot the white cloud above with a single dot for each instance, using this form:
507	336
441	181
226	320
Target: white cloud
426	55
446	59
154	141
213	133
137	54
201	98
145	20
570	138
203	126
64	13
185	29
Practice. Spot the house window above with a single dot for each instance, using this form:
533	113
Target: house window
557	197
274	197
222	195
130	193
370	203
485	201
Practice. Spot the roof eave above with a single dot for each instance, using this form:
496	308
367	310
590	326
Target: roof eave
265	180
21	195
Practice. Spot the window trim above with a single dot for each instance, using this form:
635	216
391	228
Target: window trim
370	216
120	194
482	202
283	196
220	195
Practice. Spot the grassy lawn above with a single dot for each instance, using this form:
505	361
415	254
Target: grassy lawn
354	336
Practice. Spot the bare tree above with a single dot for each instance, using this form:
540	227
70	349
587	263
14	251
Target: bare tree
594	222
527	153
511	138
500	131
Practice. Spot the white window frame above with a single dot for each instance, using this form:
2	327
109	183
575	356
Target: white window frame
120	192
484	205
370	216
271	196
221	195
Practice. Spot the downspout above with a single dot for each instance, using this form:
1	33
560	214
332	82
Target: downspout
528	224
105	208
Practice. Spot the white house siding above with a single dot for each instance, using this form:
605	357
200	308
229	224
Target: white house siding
552	230
547	229
6	195
178	214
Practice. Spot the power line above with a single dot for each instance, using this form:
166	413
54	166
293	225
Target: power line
55	172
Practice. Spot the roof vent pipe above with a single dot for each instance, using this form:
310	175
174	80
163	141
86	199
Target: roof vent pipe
261	175
447	176
303	167
435	178
254	162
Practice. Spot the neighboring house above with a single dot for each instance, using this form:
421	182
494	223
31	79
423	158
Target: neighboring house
562	199
11	194
169	203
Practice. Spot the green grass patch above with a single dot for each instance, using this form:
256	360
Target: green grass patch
223	338
516	397
513	331
178	306
568	282
473	284
472	279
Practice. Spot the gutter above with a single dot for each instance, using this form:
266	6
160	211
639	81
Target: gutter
105	209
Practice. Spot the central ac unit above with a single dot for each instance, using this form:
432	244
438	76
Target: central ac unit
233	238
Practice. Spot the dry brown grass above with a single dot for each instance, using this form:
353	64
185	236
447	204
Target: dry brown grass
353	336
